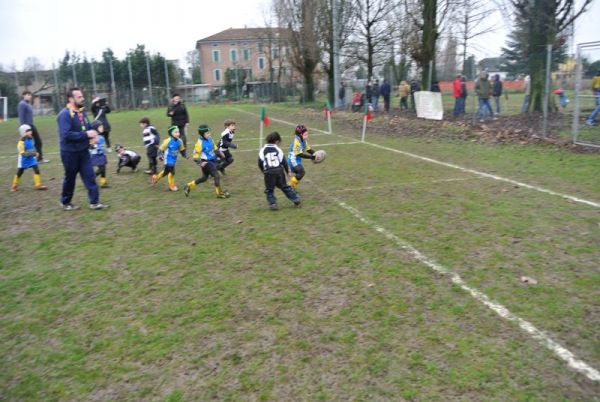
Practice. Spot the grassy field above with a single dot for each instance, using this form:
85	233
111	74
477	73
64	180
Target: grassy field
168	298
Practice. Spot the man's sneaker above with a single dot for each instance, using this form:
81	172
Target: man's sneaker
105	186
273	207
174	188
69	207
44	161
298	204
590	123
41	187
14	189
148	171
186	190
98	206
154	179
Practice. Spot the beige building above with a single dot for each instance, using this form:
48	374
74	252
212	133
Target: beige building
252	50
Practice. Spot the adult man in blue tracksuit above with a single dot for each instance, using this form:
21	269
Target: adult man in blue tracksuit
25	112
74	134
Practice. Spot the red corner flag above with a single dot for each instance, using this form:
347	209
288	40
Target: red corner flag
368	112
264	118
327	110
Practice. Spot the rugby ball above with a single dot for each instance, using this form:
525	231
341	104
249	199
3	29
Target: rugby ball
319	156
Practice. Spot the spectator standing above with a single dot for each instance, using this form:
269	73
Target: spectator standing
342	96
463	94
368	92
179	117
457	94
386	91
497	92
596	87
25	112
403	92
414	87
375	96
100	109
483	89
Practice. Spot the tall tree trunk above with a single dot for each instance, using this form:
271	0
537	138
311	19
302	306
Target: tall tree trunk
430	35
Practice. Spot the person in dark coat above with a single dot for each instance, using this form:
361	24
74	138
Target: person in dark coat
179	116
342	96
386	91
25	112
376	91
368	93
497	91
100	109
414	87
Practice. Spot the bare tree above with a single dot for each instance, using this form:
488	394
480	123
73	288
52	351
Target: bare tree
372	35
301	18
473	18
428	18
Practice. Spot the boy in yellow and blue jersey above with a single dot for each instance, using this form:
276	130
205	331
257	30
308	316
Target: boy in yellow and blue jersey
98	153
206	157
299	149
27	158
171	147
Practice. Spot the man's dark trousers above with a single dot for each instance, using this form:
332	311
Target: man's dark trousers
78	162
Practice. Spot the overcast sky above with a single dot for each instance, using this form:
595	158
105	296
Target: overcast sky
47	28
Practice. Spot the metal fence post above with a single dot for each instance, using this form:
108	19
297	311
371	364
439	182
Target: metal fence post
547	89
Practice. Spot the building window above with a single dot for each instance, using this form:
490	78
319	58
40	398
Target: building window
217	75
260	47
216	54
246	54
261	63
275	53
233	55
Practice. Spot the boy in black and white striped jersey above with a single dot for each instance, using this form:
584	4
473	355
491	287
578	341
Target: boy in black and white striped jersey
151	140
273	164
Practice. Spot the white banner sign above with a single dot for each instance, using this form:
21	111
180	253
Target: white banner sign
429	105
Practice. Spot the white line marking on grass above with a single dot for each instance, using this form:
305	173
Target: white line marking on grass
482	174
489	176
545	340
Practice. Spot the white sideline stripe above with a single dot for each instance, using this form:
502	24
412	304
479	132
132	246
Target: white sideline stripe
489	176
482	174
545	340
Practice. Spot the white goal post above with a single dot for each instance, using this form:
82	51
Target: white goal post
3	109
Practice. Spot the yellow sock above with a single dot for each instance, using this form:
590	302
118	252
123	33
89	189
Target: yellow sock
103	181
16	181
37	180
171	179
192	184
218	190
160	175
294	182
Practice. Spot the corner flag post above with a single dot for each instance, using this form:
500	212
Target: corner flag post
264	122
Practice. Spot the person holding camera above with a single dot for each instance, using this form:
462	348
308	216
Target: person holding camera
179	116
100	109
